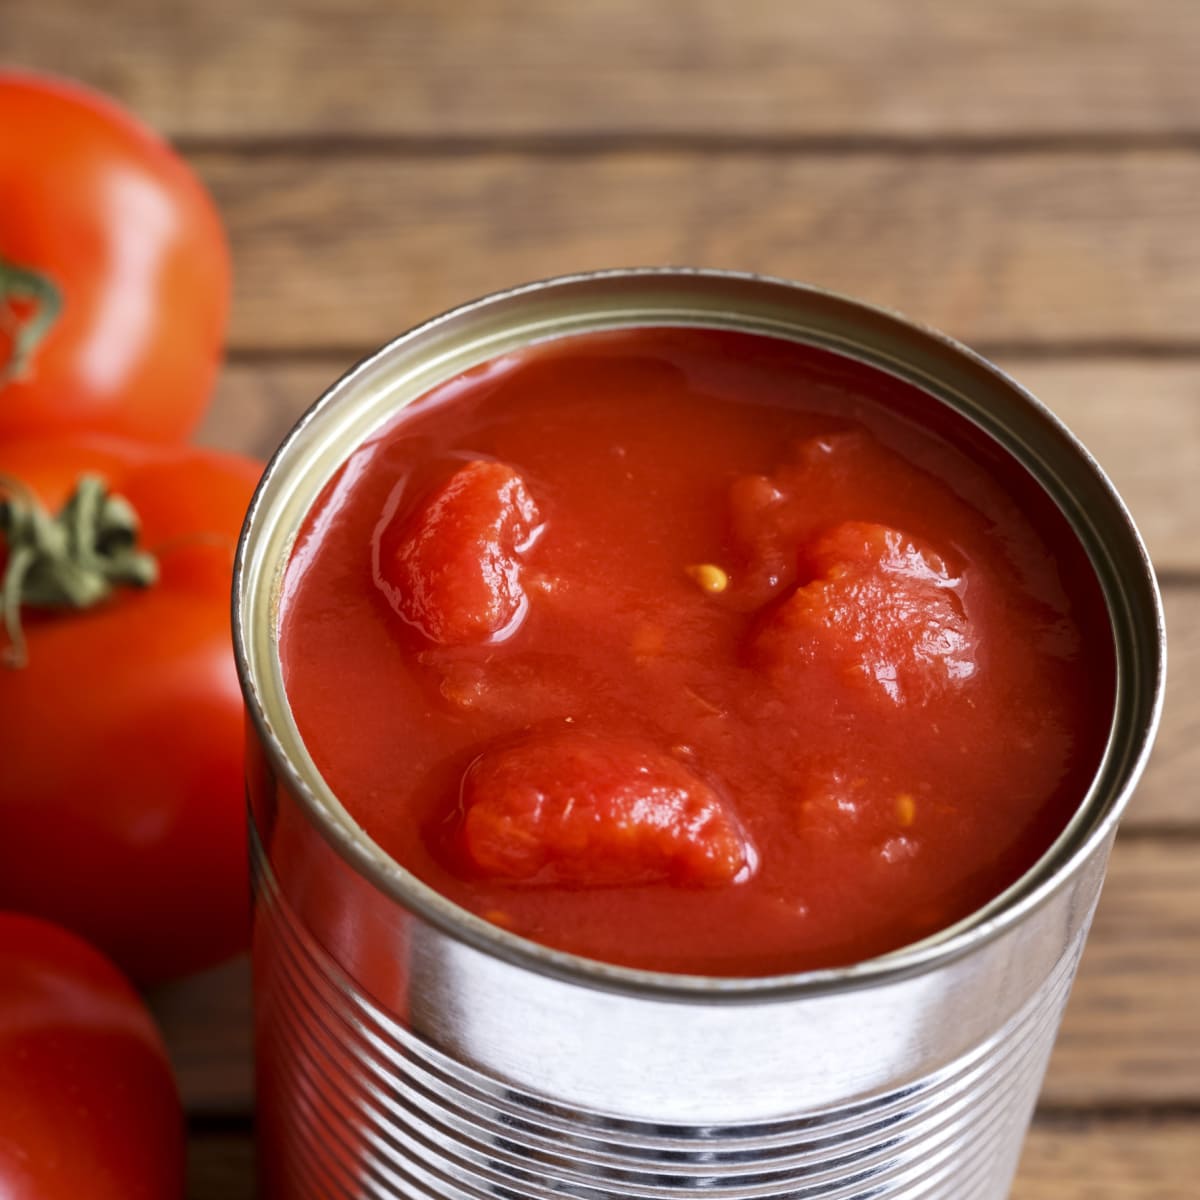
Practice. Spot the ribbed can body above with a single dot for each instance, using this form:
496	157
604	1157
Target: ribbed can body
365	1096
408	1050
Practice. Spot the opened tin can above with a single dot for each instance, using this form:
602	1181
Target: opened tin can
407	1048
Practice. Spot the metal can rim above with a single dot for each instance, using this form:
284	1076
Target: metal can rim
1073	848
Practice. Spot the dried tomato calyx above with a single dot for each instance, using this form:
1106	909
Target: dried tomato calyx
73	560
21	288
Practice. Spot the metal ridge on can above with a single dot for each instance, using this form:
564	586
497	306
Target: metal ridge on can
486	1071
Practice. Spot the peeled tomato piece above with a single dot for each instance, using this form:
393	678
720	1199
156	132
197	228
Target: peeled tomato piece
880	605
453	568
589	811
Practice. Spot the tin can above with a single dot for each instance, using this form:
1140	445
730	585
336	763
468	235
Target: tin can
406	1048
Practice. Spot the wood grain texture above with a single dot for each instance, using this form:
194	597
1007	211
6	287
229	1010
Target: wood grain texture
1169	794
1107	1160
345	250
1079	1160
1141	420
833	68
1131	1034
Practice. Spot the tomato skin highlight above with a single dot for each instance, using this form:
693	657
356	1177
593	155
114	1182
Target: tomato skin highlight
88	1104
119	223
121	797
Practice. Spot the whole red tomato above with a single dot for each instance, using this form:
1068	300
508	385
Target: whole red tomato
88	1106
114	271
121	793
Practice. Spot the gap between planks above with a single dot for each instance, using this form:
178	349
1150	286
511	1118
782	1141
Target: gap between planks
434	145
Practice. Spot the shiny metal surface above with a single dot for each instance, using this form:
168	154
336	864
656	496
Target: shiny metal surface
364	1105
408	1049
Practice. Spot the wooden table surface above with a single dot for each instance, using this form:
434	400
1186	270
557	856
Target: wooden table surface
1025	175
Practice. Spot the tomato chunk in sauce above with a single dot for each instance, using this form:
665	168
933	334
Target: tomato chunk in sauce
576	809
697	651
453	568
880	608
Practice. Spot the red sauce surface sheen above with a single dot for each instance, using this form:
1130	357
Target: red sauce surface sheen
697	651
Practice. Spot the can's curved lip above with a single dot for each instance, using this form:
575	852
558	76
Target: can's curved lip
1051	872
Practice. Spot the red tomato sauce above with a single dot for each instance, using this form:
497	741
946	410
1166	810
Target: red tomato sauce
697	651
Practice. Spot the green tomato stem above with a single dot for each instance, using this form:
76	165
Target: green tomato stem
22	284
74	560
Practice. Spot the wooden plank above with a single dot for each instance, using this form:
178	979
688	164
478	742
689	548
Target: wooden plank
840	68
206	1021
1080	1160
1169	795
1140	418
1131	1034
1109	1160
1027	248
